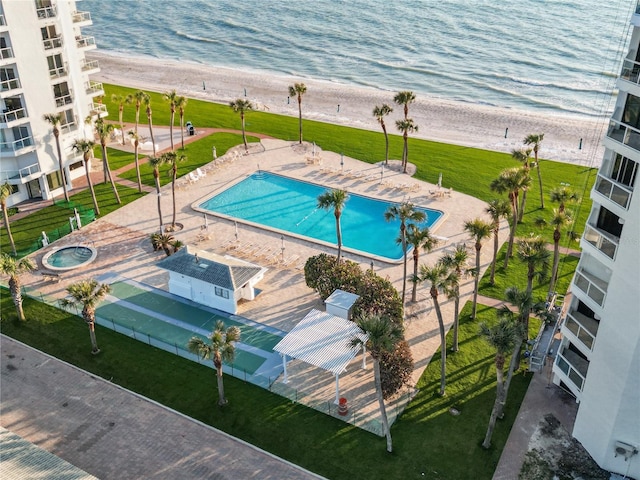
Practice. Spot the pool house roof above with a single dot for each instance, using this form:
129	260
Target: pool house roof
322	340
226	272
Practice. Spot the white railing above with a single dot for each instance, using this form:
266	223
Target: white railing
570	371
54	42
624	134
23	174
85	41
64	100
98	108
16	145
69	127
6	52
606	243
630	71
11	84
583	281
13	115
58	72
46	12
92	65
581	332
78	17
93	88
614	191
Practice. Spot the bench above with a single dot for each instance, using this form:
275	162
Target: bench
52	277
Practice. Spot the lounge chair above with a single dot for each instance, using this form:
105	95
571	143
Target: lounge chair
200	173
193	177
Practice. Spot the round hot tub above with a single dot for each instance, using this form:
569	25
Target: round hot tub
68	258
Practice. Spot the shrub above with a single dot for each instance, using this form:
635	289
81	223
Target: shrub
396	369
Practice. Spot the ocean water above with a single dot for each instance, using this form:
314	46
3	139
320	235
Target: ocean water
556	56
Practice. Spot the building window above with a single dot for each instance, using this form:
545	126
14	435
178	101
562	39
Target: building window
624	171
62	94
54	180
56	65
75	166
221	292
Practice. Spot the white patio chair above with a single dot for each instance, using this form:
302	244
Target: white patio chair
200	173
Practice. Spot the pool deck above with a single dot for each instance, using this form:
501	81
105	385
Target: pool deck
121	239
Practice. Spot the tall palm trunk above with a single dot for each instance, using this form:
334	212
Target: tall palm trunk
300	118
456	318
496	247
136	145
222	400
512	228
403	234
173	116
476	280
540	183
174	175
120	112
499	402
523	201
5	216
63	177
89	317
443	342
153	142
383	409
416	259
244	136
338	234
556	262
156	177
513	365
182	127
16	294
405	152
107	170
90	183
386	144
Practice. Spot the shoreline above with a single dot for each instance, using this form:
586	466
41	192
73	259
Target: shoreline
480	126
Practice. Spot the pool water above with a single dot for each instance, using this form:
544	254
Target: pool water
290	205
67	258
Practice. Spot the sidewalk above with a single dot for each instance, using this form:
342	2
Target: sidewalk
113	433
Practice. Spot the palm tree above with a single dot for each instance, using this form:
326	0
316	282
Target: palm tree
335	199
479	230
5	192
559	220
86	148
418	238
511	181
14	268
181	103
381	111
298	90
497	210
155	162
406	126
103	130
137	98
120	100
562	196
502	337
165	242
523	157
535	139
54	119
136	145
172	159
440	279
533	252
242	106
171	98
405	212
383	335
404	99
456	261
147	103
220	348
88	294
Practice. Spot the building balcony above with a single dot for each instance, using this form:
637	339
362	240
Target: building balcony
51	43
601	240
635	18
592	286
6	53
624	134
630	71
616	192
573	366
59	72
63	100
12	84
94	88
46	12
21	176
98	109
583	328
81	18
10	116
18	147
86	41
90	67
3	22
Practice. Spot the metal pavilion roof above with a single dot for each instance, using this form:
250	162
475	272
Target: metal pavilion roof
322	340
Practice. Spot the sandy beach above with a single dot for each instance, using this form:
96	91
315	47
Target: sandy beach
474	125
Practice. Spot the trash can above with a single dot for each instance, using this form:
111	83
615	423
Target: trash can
190	128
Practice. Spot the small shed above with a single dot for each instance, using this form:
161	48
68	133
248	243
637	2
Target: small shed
210	279
340	303
322	340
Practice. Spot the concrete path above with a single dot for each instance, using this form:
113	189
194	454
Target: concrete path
113	433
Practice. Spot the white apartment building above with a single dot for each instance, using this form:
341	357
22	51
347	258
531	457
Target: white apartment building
599	357
43	71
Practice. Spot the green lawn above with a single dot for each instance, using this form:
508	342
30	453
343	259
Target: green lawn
426	437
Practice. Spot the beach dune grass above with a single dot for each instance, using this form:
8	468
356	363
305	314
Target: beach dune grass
427	438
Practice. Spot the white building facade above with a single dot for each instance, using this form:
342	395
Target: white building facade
43	71
599	357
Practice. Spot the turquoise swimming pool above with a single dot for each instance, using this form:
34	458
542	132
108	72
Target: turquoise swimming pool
289	205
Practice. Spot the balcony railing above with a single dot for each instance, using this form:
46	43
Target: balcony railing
606	243
20	176
584	328
2	20
85	41
64	100
92	65
46	12
6	53
68	127
78	17
98	108
58	72
12	84
16	145
587	283
630	71
614	191
94	88
54	42
624	134
13	115
573	366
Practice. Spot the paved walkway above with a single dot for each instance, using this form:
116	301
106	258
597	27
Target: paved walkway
113	433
